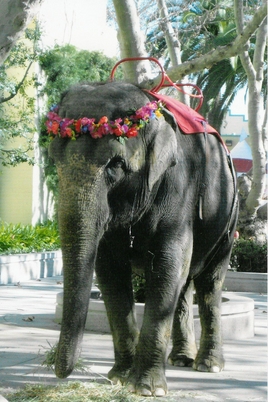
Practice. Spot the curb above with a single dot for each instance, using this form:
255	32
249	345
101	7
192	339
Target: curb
16	268
237	316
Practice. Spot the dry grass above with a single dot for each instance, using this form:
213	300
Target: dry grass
50	358
78	392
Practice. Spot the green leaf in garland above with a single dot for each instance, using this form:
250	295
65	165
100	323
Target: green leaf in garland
121	140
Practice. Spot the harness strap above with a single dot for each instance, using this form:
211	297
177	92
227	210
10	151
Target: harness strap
203	185
165	81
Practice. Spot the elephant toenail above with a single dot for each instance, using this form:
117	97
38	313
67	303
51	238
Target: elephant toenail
215	369
159	392
144	392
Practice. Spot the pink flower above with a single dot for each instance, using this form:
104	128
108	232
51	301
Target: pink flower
86	120
64	124
53	116
96	134
125	128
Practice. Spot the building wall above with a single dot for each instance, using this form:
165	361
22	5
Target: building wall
234	124
16	194
230	140
16	182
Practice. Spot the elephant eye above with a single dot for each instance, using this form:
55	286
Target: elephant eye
116	163
115	169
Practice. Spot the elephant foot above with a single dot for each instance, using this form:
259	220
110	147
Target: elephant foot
118	375
148	385
183	355
143	390
180	360
210	361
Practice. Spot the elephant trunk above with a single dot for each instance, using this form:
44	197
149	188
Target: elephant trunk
83	212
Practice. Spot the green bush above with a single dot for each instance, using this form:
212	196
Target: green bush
139	287
27	238
249	256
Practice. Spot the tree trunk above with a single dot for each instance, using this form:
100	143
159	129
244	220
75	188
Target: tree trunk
254	71
15	15
173	43
131	41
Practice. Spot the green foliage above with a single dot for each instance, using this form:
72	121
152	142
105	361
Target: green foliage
249	256
26	239
219	94
66	65
139	287
17	107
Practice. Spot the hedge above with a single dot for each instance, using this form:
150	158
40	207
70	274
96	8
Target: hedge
15	239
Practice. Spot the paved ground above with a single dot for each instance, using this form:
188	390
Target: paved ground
24	340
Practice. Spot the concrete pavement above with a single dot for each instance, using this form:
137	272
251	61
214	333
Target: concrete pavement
27	329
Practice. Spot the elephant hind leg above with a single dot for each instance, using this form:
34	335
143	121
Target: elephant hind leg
209	294
184	347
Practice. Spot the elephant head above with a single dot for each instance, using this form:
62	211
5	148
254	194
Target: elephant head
102	182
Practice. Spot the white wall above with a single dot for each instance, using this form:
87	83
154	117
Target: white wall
234	124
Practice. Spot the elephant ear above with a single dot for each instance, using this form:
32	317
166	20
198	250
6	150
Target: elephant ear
163	152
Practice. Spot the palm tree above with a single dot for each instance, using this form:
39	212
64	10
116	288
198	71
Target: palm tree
203	26
220	85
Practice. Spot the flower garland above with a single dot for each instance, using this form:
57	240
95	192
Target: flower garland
126	127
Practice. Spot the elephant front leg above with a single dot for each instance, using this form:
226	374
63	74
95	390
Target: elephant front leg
114	281
147	376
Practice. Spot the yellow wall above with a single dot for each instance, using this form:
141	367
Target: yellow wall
16	194
16	182
231	140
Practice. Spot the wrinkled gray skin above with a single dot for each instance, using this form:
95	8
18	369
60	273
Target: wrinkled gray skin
152	183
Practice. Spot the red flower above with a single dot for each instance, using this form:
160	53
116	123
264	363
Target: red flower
103	120
118	131
54	127
77	125
68	132
132	132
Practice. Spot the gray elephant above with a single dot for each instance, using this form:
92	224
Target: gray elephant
136	193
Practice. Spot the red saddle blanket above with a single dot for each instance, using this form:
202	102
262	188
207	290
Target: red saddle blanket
188	120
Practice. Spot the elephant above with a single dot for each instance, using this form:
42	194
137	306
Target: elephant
136	193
